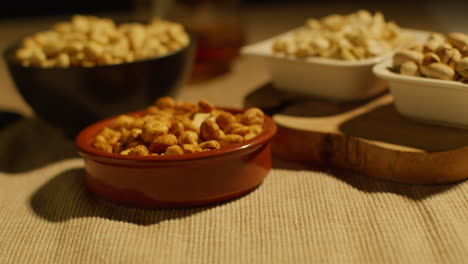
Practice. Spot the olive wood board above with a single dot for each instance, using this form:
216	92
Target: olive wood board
370	137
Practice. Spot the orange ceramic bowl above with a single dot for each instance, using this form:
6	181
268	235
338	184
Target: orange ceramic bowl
180	180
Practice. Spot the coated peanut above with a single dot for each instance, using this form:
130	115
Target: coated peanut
173	128
209	130
210	144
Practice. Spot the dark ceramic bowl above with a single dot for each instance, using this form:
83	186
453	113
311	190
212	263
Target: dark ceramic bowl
71	98
176	181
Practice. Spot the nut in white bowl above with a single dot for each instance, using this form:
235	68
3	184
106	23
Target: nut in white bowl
435	101
332	79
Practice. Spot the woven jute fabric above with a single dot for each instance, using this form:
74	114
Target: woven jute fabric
296	216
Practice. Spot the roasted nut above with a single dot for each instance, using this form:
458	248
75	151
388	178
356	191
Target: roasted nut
139	122
249	136
436	36
449	56
153	129
191	148
430	58
174	150
402	56
135	143
188	137
168	131
239	129
130	135
209	130
139	150
123	121
110	135
205	106
252	116
63	60
442	58
125	152
199	118
188	124
225	120
349	37
230	139
161	143
257	129
438	70
103	146
177	128
164	102
210	144
89	41
458	40
409	68
416	47
108	140
186	107
462	67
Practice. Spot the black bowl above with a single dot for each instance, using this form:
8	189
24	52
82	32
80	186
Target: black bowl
72	98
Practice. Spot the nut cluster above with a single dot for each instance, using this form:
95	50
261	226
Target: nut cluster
441	57
170	128
88	41
350	37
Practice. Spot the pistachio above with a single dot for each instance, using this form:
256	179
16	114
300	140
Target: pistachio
406	55
449	56
355	36
430	58
438	70
409	68
462	67
431	45
457	39
436	36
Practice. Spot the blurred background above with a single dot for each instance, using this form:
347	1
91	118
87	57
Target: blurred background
222	26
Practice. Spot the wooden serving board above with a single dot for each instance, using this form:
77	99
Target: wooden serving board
370	137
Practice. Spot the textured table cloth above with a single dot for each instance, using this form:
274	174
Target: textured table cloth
298	215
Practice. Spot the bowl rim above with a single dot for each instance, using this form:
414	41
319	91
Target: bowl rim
10	49
85	149
263	49
382	71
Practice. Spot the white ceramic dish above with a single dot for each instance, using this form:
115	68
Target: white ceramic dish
333	79
430	100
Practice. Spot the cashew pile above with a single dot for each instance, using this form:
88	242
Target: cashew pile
350	37
88	41
171	128
440	57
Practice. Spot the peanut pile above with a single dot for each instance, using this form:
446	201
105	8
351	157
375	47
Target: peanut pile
171	128
89	41
350	37
440	57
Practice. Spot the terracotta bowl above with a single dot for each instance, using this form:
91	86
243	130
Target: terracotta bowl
180	180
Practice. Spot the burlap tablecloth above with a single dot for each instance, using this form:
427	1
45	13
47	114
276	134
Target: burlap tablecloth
297	215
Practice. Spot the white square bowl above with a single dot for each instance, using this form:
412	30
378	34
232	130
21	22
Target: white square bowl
333	79
429	100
